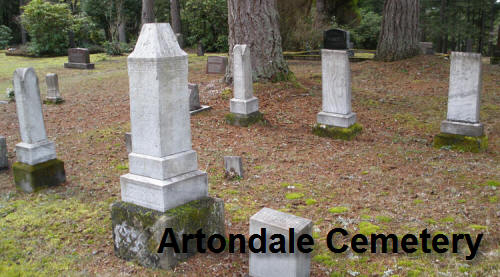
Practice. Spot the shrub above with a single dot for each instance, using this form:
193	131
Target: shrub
365	35
5	36
48	26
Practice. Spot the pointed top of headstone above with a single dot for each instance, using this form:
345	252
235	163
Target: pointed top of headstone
241	49
157	40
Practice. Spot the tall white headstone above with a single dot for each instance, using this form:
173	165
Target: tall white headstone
53	94
464	95
35	148
336	79
244	102
163	167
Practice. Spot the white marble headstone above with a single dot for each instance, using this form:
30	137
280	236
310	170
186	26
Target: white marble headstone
244	101
53	93
35	148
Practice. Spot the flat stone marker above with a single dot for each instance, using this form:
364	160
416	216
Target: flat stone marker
216	65
53	94
194	100
287	264
4	162
464	99
164	187
36	165
244	106
233	166
79	58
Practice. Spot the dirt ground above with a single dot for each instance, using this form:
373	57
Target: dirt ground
388	180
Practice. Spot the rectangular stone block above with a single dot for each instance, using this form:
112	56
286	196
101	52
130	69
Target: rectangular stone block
338	120
336	80
233	165
242	72
465	87
137	231
462	128
162	195
32	178
194	97
245	107
78	55
279	264
4	162
35	153
79	65
165	167
216	65
53	94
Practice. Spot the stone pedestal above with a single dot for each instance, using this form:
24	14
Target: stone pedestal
37	165
462	125
287	264
336	118
53	94
4	162
79	58
137	231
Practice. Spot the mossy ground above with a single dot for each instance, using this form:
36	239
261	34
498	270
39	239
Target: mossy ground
244	120
337	132
461	143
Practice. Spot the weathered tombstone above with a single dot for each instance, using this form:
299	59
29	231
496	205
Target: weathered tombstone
336	119
128	142
37	165
4	162
200	51
216	65
194	100
426	48
53	94
244	106
164	188
462	129
337	39
287	264
233	167
79	58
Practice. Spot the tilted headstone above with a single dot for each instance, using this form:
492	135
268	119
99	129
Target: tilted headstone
163	167
216	65
233	166
53	94
426	48
336	79
4	162
35	154
287	264
79	58
194	97
464	95
337	39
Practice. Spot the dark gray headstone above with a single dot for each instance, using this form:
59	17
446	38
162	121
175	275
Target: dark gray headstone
79	58
200	51
216	65
426	48
336	39
4	163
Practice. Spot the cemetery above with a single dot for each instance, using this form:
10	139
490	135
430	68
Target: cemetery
171	156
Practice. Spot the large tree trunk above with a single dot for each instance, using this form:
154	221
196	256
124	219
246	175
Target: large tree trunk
256	24
122	30
24	34
320	9
148	14
399	34
444	28
175	14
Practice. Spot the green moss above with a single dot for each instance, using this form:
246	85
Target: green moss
245	120
493	199
382	218
32	178
226	94
338	210
447	219
430	221
492	183
337	132
311	201
294	195
366	228
478	227
461	143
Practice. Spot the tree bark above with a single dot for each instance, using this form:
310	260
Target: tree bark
175	14
122	30
24	34
320	9
256	24
148	14
399	33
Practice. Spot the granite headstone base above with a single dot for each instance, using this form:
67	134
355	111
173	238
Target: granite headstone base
79	65
244	120
335	119
32	178
138	231
462	128
57	100
335	132
461	142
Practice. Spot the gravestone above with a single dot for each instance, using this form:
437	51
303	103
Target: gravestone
4	162
216	65
464	99
79	58
287	264
233	167
244	106
336	118
426	48
37	165
164	187
337	39
194	100
53	94
200	51
128	142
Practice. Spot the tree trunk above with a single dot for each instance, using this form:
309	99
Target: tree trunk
148	14
175	14
442	15
24	34
399	33
256	24
320	9
122	30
